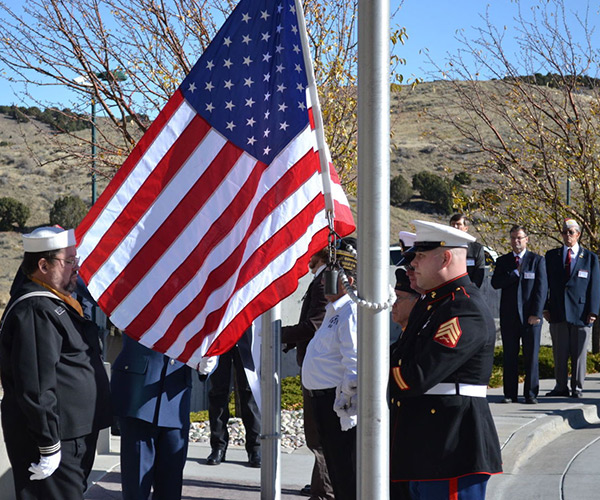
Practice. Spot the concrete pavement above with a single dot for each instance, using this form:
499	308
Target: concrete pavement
550	451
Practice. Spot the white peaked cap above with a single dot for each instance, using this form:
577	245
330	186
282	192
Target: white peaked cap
407	239
44	239
431	235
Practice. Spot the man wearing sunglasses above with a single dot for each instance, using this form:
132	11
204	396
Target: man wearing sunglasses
56	393
572	307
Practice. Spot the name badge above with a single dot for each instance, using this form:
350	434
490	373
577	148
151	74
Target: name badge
582	274
470	262
528	276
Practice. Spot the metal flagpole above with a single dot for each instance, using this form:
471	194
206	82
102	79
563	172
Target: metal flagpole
270	388
373	246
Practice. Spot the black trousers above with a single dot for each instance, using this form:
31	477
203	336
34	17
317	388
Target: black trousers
218	402
513	334
68	481
339	447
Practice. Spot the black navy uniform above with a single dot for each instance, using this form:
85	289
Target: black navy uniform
448	346
56	391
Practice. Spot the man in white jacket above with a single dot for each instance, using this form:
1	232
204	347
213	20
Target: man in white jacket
329	375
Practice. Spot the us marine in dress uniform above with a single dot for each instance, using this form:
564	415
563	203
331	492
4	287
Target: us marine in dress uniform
443	438
56	393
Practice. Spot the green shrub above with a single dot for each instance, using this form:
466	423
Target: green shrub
400	191
12	212
68	212
463	178
291	393
435	189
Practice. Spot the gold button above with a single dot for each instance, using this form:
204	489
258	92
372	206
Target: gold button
429	308
172	361
398	404
127	367
433	411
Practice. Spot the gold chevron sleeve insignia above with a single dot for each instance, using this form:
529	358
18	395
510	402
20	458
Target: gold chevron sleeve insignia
448	333
398	379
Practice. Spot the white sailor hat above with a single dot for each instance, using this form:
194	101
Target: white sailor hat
44	239
431	235
407	239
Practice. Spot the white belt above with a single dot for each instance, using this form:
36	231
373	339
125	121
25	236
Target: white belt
448	389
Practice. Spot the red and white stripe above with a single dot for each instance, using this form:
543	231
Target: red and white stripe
194	238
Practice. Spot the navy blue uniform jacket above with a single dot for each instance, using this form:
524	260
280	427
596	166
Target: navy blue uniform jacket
574	300
525	294
150	386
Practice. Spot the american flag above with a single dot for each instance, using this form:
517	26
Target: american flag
213	217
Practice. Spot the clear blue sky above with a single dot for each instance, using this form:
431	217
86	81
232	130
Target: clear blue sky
431	25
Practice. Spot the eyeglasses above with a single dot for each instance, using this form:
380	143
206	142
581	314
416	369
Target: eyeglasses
73	261
570	232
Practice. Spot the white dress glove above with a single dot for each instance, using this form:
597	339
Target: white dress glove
207	365
350	384
346	409
48	464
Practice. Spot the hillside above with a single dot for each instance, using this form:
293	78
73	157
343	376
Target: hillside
35	170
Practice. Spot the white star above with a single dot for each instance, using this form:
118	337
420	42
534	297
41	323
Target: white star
283	126
267	114
229	105
267	132
227	63
210	65
296	49
228	84
300	87
279	68
279	48
267	96
279	28
250	122
265	37
283	107
251	140
246	18
248	82
267	150
279	8
298	68
295	29
227	41
230	126
210	107
209	86
264	14
192	87
267	57
246	39
281	88
250	102
293	9
266	77
247	61
301	105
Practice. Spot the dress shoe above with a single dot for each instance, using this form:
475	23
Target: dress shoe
305	492
557	393
509	400
577	394
216	457
531	401
254	459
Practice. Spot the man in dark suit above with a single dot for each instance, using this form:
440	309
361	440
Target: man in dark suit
521	275
475	253
151	397
298	336
572	307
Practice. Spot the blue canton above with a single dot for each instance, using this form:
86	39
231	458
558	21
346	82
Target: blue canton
250	83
